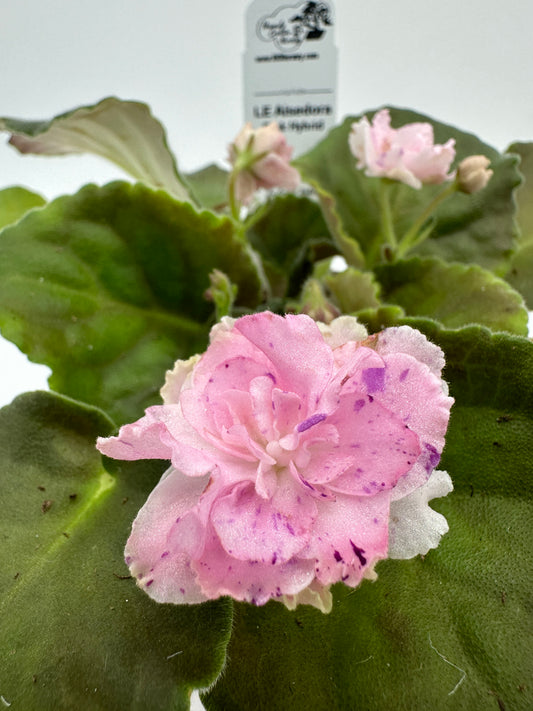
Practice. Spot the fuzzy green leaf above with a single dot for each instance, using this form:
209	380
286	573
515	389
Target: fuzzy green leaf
210	186
381	317
15	203
454	294
290	234
450	631
520	274
524	194
475	228
76	631
107	288
352	290
123	132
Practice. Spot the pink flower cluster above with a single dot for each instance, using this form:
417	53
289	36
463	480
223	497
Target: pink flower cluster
407	154
265	157
301	455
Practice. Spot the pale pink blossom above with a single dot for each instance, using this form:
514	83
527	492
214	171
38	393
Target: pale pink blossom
262	157
407	154
301	455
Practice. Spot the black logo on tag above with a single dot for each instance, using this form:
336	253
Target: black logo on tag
289	27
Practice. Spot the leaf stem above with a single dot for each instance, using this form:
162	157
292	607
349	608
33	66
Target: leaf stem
233	202
387	223
416	235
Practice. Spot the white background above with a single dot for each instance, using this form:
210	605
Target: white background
466	62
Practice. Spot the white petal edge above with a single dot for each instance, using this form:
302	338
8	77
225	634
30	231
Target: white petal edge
315	594
342	330
414	527
177	378
405	339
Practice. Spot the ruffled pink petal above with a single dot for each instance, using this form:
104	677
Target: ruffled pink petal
162	434
432	164
287	409
301	359
203	407
380	133
139	440
350	535
252	528
227	343
261	407
250	581
414	137
374	449
417	398
354	365
165	534
406	154
404	339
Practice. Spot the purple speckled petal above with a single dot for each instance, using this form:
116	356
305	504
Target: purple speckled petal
301	359
164	535
221	574
374	449
311	422
250	528
349	536
162	434
374	379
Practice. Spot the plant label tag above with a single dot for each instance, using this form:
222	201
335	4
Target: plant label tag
290	69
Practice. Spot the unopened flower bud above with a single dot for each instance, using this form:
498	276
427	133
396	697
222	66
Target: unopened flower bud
261	157
473	174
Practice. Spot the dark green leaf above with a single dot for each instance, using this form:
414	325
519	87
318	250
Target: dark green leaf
15	203
210	186
348	247
520	274
381	317
352	289
123	132
107	288
524	194
76	631
454	294
450	631
289	233
475	228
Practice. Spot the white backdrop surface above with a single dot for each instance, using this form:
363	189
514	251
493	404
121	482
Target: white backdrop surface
465	63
